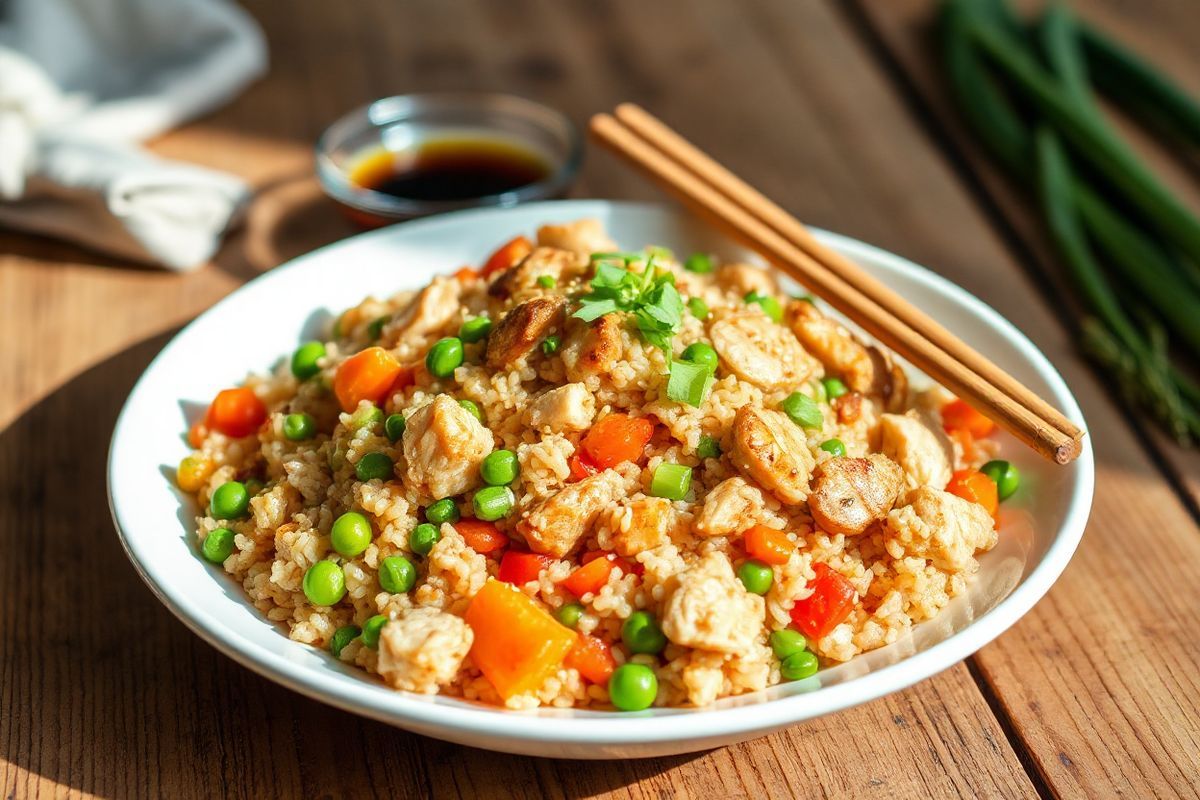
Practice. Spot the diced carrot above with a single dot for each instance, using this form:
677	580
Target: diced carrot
480	535
592	575
767	545
966	441
615	439
366	375
197	433
958	415
517	643
236	412
466	275
831	601
509	253
975	487
627	566
593	658
519	568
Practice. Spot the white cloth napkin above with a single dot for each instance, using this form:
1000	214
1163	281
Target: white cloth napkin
81	83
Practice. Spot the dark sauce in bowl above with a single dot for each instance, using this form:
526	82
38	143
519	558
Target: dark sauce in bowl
448	169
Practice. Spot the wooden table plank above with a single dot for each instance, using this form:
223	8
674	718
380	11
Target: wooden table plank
1106	702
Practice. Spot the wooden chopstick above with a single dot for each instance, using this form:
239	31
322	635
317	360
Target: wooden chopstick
665	139
873	317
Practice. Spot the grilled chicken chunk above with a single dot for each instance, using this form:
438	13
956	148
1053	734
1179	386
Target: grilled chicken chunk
756	349
709	609
443	447
556	525
852	493
771	450
519	331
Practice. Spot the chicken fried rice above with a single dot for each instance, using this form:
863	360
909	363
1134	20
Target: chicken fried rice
580	477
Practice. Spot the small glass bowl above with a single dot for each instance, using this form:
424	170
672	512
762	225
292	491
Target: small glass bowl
402	122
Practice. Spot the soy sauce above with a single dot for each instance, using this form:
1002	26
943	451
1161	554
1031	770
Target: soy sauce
451	169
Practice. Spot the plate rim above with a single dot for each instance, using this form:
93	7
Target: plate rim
654	726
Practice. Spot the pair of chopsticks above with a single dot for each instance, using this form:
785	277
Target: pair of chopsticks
741	211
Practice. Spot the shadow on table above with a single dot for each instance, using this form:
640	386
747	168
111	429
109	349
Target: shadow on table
107	693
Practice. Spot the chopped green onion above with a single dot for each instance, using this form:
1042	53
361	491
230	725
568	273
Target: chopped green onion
709	447
834	447
671	481
688	382
802	410
550	344
546	281
472	408
833	388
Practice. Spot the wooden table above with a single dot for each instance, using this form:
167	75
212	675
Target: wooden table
834	109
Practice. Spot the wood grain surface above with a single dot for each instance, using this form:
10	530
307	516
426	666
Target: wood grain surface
830	107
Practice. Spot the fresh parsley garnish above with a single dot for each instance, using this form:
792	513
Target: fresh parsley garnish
651	298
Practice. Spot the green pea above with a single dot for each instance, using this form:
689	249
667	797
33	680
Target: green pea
371	629
324	584
787	642
641	634
632	687
493	502
472	408
476	329
442	511
768	304
550	344
397	574
834	447
500	468
1006	476
834	388
372	466
304	359
218	545
375	327
444	357
546	281
393	426
756	576
698	307
709	447
342	637
366	416
569	614
254	486
671	481
799	666
350	534
802	410
701	353
699	262
298	427
230	501
423	538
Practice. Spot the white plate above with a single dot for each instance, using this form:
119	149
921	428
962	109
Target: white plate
252	328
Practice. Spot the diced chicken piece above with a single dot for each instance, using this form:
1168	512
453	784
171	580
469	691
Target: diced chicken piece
771	450
852	493
922	451
644	524
556	525
522	277
430	310
583	236
756	349
710	609
594	348
703	677
522	328
941	527
565	408
423	650
443	447
863	369
731	507
741	279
